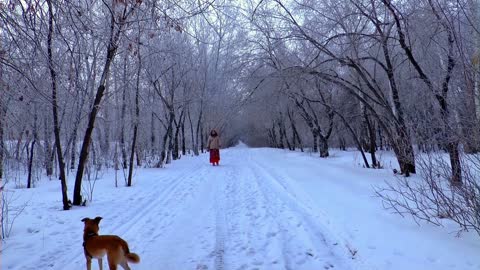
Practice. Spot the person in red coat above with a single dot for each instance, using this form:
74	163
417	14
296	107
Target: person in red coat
213	146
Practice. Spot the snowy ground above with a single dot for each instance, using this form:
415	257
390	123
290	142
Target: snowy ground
261	209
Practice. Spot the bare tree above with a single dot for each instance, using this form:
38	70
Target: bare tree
137	113
440	92
119	14
53	76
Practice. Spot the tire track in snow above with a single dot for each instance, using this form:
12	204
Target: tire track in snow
224	187
157	199
220	222
313	218
74	256
188	239
296	223
273	213
141	211
251	230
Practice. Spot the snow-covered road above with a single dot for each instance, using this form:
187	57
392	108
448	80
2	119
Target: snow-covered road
235	216
251	212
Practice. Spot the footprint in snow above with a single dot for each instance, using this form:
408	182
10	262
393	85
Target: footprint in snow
257	262
300	261
243	267
271	234
32	230
202	267
328	266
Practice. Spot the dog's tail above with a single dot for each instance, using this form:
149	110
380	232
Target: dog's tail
132	257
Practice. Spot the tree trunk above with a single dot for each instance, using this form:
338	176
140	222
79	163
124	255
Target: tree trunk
48	148
355	139
273	133
281	145
105	143
132	154
469	122
184	147
32	148
323	146
178	126
53	159
289	145
296	136
2	145
402	146
164	150
30	163
476	61
199	132
56	127
153	137
123	115
170	143
137	116
342	144
451	140
97	158
202	138
294	141
176	148
404	153
194	145
372	139
94	155
381	140
19	143
3	113
310	122
283	130
73	155
138	154
454	154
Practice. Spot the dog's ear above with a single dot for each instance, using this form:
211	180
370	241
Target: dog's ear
85	219
97	219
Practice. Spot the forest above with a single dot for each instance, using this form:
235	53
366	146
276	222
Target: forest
95	84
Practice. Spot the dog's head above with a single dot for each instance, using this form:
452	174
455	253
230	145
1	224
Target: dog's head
91	225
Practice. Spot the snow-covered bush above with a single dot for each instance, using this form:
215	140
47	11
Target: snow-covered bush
434	197
9	212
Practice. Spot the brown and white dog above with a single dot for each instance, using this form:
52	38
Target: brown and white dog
96	246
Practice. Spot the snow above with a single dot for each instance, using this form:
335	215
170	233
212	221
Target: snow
260	209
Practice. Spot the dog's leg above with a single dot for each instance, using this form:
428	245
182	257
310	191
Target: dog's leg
125	266
89	263
112	264
100	264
